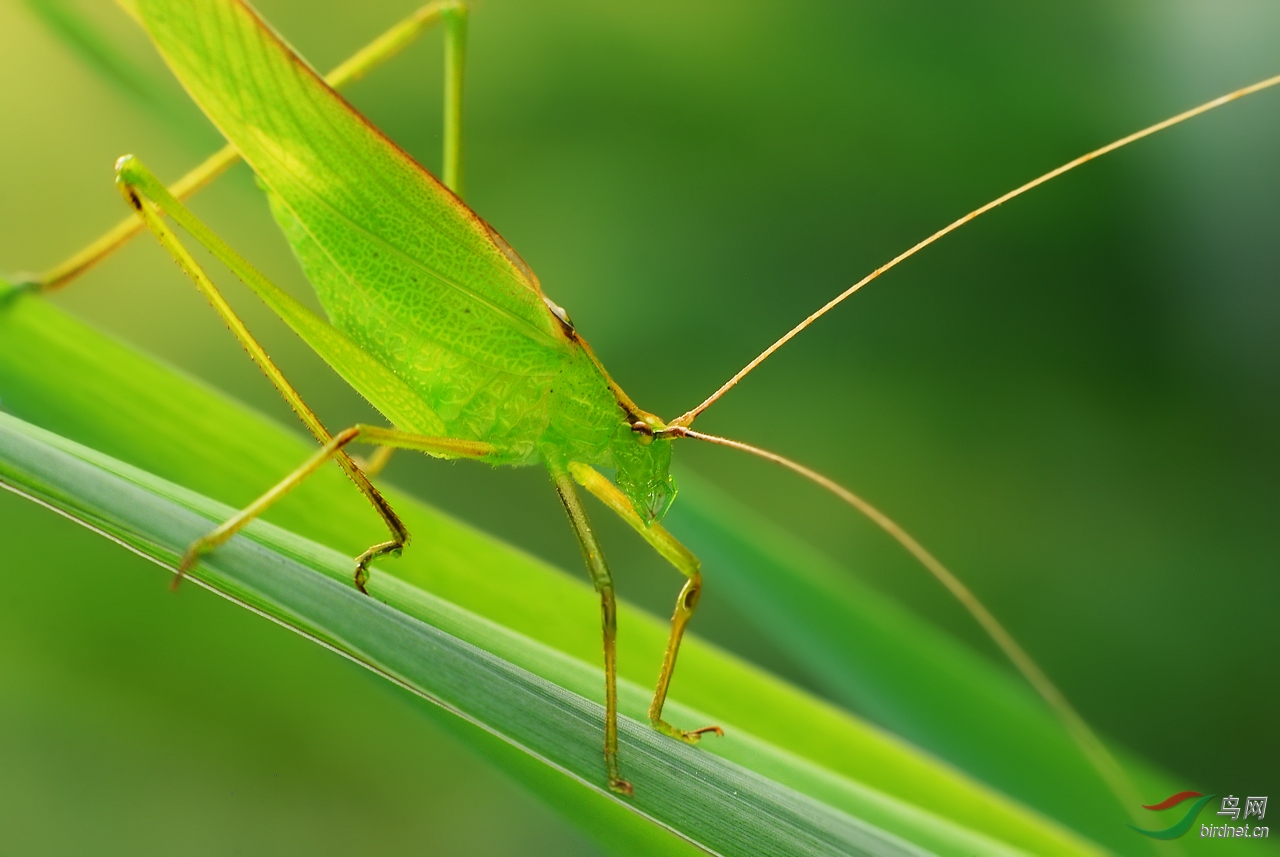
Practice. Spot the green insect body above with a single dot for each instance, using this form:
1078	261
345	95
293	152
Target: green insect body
432	317
406	270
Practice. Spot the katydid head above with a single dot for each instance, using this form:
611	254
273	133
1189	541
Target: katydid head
643	461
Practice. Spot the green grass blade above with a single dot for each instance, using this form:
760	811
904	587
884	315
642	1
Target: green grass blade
397	633
66	377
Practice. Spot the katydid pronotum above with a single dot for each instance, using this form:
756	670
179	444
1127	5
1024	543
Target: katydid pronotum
435	320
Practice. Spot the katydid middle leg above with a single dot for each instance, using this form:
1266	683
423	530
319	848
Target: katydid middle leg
603	582
684	561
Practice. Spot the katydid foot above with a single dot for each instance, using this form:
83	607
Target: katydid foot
691	736
391	548
191	559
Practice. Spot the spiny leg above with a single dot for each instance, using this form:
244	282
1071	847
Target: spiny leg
372	55
684	561
134	181
441	447
603	582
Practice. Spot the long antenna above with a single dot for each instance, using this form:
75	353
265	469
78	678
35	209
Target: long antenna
1088	742
688	417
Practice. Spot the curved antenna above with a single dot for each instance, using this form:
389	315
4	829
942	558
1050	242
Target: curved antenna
1090	745
687	418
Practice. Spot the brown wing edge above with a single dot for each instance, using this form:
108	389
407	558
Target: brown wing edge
521	268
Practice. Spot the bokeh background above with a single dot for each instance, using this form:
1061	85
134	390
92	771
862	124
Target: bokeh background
1075	401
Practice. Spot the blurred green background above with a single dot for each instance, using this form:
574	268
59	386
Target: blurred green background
1073	401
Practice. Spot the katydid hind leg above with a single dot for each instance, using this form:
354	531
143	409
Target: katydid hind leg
439	446
129	175
684	561
603	582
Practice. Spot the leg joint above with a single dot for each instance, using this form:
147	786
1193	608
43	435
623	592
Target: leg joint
690	594
345	436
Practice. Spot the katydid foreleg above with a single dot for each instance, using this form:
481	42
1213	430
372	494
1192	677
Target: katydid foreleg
686	602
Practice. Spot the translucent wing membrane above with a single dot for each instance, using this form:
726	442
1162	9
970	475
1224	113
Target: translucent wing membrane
399	263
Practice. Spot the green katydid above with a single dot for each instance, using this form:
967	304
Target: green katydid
433	318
